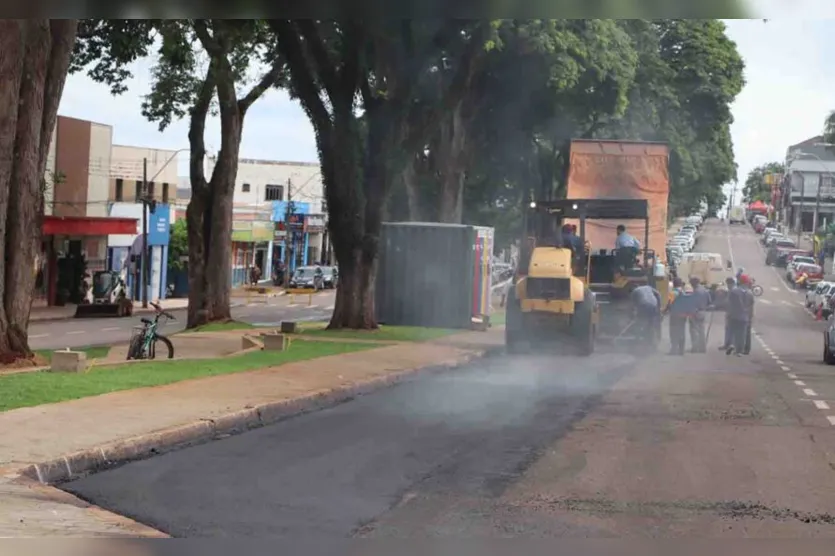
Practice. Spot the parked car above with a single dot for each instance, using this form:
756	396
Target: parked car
818	296
304	277
782	256
813	272
795	261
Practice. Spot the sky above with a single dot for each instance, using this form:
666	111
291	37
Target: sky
790	76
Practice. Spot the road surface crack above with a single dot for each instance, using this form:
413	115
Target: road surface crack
729	509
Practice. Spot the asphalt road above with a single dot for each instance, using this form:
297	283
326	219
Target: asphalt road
533	446
101	331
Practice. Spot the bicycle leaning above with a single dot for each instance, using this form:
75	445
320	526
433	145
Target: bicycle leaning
143	342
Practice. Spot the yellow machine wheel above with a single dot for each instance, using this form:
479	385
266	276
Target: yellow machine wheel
513	329
582	324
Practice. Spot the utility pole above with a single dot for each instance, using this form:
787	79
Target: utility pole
145	253
817	206
289	235
800	212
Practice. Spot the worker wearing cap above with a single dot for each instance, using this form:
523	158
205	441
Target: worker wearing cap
683	307
570	239
698	340
740	313
730	283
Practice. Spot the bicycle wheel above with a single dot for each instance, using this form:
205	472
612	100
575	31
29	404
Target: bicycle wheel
135	348
757	291
168	345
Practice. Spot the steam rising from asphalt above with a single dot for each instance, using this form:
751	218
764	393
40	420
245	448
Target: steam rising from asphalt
500	392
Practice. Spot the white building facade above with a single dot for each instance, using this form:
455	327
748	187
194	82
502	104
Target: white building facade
279	215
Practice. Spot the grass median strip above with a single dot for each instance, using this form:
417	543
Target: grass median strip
221	327
31	389
383	334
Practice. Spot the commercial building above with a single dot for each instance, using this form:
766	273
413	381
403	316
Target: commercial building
129	167
77	220
280	215
808	185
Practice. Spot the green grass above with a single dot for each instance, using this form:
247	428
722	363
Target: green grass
222	326
384	333
498	318
37	388
93	352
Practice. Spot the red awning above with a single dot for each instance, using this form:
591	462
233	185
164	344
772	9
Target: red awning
87	226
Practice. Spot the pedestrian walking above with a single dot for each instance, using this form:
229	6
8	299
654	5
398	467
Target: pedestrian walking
730	283
698	341
740	312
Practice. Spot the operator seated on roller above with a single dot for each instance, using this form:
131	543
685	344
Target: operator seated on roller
626	250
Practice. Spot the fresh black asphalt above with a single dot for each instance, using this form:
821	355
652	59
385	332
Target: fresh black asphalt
464	433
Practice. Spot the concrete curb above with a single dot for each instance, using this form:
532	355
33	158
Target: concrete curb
78	464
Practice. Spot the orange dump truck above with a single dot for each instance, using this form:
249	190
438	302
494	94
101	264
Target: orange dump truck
622	170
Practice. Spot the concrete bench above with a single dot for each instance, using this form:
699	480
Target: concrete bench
68	361
275	342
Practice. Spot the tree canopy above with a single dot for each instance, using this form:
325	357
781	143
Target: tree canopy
756	188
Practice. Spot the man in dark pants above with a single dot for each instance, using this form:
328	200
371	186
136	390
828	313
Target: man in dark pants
646	302
730	283
740	311
683	307
698	340
746	285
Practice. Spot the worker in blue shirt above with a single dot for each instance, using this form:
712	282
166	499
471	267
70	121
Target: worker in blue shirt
625	240
684	307
571	239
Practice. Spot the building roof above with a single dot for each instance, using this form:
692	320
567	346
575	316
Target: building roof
814	146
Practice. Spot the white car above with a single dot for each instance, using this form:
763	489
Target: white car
796	260
681	242
689	239
819	295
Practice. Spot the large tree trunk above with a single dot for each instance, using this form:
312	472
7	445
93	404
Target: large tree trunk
209	213
34	59
450	157
356	220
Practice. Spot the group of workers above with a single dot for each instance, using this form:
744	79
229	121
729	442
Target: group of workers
688	304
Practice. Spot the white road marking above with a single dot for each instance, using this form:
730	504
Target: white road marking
775	357
312	306
32	336
809	392
790	375
800	383
775	289
766	301
820	404
779	362
294	304
76	332
330	308
110	329
831	420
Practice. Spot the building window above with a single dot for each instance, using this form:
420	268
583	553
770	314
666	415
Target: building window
245	188
165	193
119	194
324	207
150	190
274	192
138	193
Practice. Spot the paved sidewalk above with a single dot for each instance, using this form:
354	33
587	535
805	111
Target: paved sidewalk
59	438
43	313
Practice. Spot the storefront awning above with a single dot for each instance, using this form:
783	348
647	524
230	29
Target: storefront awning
87	226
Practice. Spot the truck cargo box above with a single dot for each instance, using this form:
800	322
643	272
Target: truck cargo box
432	274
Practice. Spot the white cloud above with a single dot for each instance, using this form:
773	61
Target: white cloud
789	80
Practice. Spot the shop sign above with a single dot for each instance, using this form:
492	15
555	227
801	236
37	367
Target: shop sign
314	223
